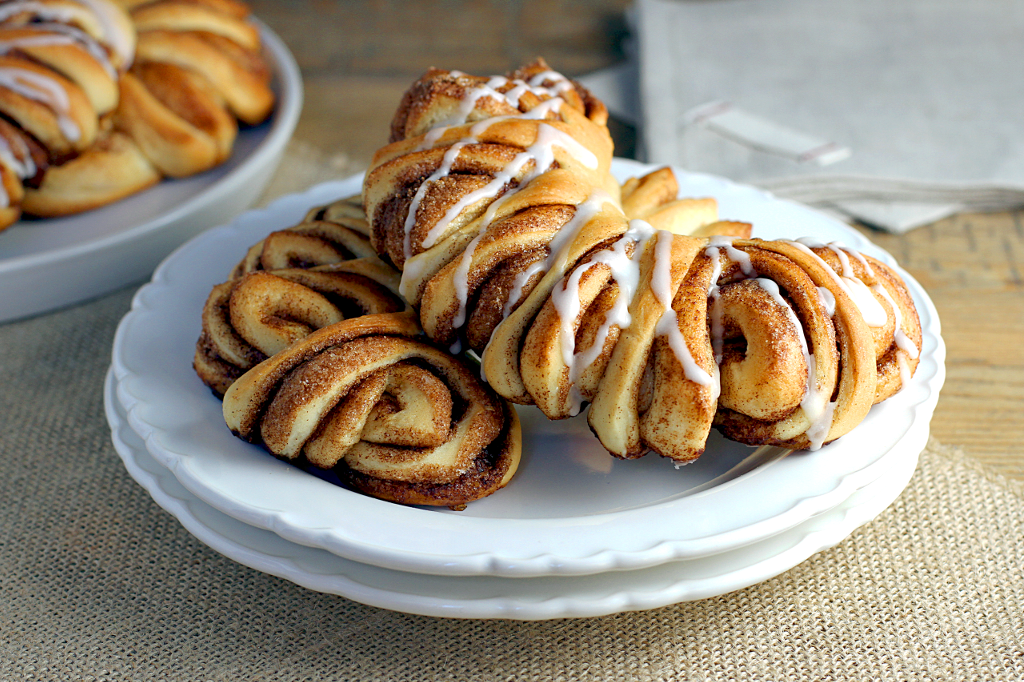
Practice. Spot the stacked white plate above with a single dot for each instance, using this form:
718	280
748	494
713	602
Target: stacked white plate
576	533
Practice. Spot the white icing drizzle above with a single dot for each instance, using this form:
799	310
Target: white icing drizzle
870	309
469	101
715	313
41	10
114	33
842	251
859	256
815	404
539	112
905	347
421	191
44	90
668	323
510	96
844	261
818	430
734	254
22	168
827	300
20	161
461	280
430	137
714	251
541	152
625	270
563	238
561	82
60	34
903	342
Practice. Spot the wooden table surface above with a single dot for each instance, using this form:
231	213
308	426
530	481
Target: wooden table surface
358	56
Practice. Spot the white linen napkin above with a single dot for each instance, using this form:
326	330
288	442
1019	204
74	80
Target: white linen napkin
894	112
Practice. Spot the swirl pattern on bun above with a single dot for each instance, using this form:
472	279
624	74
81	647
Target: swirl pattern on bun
394	416
495	200
289	284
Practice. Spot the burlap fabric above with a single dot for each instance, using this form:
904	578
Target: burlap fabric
98	583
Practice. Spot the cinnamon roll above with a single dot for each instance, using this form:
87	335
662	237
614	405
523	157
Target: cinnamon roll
495	200
394	416
60	65
288	284
764	340
248	319
198	70
771	342
97	104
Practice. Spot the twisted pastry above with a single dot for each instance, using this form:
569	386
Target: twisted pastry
290	283
494	199
197	69
393	416
469	153
327	234
490	190
60	63
654	198
79	130
771	342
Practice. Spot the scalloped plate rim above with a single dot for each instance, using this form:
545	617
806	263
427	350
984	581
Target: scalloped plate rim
490	562
287	561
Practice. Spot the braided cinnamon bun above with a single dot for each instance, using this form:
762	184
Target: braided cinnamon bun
197	71
60	65
290	283
495	199
766	340
394	416
97	104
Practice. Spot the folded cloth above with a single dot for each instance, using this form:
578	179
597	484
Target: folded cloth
895	112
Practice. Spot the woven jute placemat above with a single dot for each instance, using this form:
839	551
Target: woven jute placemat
98	583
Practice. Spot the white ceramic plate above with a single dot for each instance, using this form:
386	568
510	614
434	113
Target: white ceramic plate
495	597
46	264
571	509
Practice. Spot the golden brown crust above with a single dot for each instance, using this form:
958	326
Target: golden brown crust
184	16
59	67
665	318
239	76
96	78
197	70
261	313
290	283
112	169
65	125
345	397
654	198
328	234
173	117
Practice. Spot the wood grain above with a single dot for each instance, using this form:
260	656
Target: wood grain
971	265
